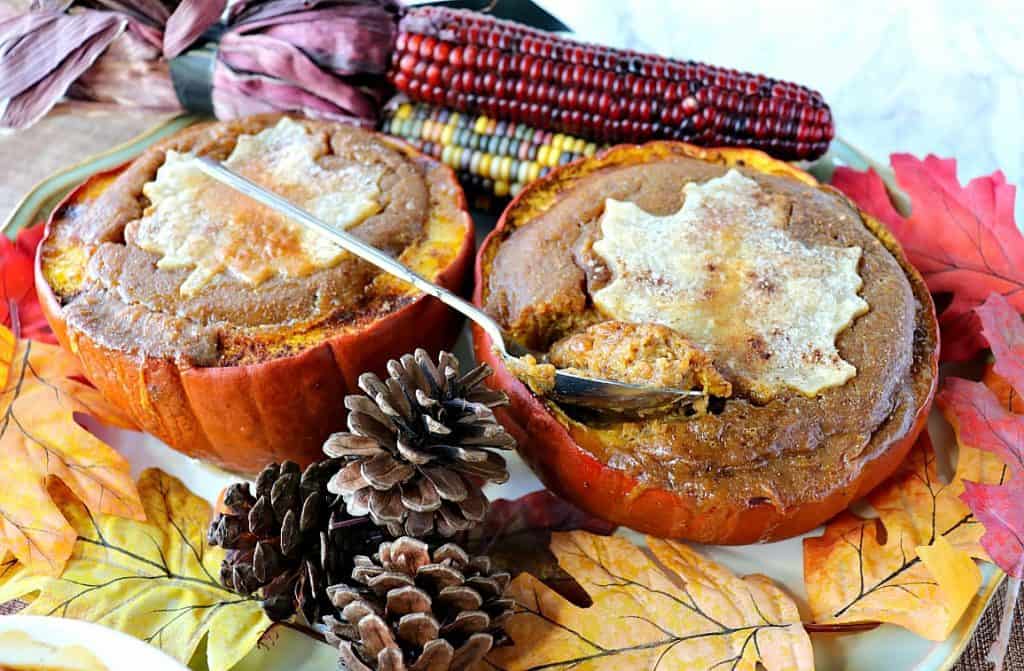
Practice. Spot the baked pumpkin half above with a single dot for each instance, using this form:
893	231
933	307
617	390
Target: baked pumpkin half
227	331
812	339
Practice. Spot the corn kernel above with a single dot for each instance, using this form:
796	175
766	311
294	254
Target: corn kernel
542	154
523	173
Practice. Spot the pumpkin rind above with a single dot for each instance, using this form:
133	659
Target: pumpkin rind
566	467
245	416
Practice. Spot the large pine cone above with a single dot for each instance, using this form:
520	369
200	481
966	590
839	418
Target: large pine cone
419	445
413	609
291	540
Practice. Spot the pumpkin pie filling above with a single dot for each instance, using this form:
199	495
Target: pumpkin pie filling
755	288
168	263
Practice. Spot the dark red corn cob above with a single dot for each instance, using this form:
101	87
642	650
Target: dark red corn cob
472	62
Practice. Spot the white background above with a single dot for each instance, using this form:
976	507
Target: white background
943	77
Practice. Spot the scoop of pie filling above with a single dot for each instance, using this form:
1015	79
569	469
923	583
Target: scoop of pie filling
757	289
180	266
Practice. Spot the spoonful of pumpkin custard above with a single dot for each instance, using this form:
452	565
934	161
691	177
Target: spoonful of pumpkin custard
716	297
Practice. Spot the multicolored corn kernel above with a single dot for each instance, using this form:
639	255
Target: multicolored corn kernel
474	63
492	157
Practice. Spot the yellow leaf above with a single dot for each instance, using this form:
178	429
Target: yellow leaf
675	611
155	580
870	569
39	440
958	577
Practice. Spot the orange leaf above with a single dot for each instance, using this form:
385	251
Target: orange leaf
872	569
40	439
1003	390
963	239
675	610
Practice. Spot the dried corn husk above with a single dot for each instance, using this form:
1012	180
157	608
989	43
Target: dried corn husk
326	58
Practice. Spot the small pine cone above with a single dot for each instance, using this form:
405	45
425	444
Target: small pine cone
413	609
419	446
289	541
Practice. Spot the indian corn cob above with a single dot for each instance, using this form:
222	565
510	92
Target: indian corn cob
473	63
491	157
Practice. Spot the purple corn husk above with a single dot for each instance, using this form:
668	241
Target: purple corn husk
31	102
297	55
349	42
240	94
284	61
325	58
129	65
188	22
53	39
152	12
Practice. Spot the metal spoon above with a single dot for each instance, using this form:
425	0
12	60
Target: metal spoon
570	388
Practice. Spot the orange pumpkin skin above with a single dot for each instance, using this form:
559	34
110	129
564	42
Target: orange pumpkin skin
570	470
244	417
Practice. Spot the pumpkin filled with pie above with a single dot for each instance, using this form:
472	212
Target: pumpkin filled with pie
226	330
812	340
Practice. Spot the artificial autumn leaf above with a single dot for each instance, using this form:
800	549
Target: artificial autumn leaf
983	420
154	580
17	286
986	417
1001	509
516	535
872	570
40	439
963	239
1006	394
1004	333
675	611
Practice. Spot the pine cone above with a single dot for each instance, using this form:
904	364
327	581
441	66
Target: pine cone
419	445
413	609
291	540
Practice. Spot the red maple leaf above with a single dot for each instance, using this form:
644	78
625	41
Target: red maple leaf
999	509
963	239
17	286
987	422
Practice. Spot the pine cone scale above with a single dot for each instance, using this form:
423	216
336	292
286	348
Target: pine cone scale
420	495
387	506
348	480
418	629
384	472
351	445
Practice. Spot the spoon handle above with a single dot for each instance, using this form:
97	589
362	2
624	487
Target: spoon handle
351	243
